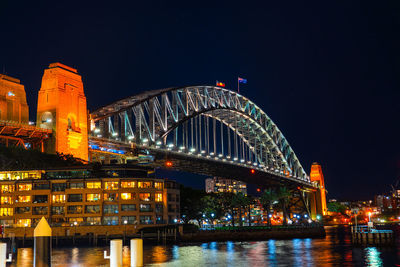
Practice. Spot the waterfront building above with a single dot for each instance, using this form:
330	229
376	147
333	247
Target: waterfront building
13	105
220	185
111	195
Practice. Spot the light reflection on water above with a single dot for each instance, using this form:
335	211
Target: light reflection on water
334	250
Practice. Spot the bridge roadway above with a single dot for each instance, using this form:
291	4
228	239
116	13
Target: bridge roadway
199	164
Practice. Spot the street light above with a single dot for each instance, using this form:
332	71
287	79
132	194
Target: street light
26	225
125	222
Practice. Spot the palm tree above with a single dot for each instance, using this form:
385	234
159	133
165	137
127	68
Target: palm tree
283	195
267	198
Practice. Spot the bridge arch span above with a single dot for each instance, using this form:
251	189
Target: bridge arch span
183	119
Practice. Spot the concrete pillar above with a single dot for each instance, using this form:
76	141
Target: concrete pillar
136	252
115	253
313	206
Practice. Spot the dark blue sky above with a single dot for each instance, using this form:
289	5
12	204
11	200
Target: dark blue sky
327	73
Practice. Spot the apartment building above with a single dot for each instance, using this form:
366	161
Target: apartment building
111	195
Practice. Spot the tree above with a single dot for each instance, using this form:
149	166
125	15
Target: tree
336	207
212	208
283	196
191	204
267	198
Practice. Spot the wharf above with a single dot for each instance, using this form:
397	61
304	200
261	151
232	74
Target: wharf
364	235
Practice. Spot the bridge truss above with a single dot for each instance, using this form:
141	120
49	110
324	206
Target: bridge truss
199	122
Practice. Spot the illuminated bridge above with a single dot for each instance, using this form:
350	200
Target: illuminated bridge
204	129
199	129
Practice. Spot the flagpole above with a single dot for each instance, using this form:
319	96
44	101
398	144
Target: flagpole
238	85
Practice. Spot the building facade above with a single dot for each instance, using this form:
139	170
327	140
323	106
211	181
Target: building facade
220	185
13	105
111	196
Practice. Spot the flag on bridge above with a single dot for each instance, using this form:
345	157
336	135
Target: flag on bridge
220	84
241	80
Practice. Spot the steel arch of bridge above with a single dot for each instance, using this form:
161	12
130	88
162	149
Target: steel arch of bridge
153	118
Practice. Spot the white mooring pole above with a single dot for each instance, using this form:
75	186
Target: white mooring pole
115	253
3	255
136	252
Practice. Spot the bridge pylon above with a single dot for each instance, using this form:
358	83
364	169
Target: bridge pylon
62	108
318	197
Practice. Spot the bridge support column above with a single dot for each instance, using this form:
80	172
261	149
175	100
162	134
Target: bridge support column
313	205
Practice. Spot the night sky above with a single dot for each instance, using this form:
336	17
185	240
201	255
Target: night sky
327	73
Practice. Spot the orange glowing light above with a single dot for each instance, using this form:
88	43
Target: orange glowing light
253	171
258	190
168	163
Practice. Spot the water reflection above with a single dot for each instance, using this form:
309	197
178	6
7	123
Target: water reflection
373	258
334	250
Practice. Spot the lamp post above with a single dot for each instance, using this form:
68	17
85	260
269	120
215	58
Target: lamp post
125	222
23	240
75	223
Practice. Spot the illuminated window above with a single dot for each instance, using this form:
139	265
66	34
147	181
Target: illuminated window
111	197
24	199
146	220
75	198
5	176
41	186
158	185
126	196
144	184
111	185
74	209
75	220
158	197
128	184
93	185
7	188
57	210
58	198
6	200
110	220
93	220
59	187
128	207
144	196
40	210
145	207
40	199
22	210
76	185
128	219
92	197
23	223
24	187
110	209
6	212
93	209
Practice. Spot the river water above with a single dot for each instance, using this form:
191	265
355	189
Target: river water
334	250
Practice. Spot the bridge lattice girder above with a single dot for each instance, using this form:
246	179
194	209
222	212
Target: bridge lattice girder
149	118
